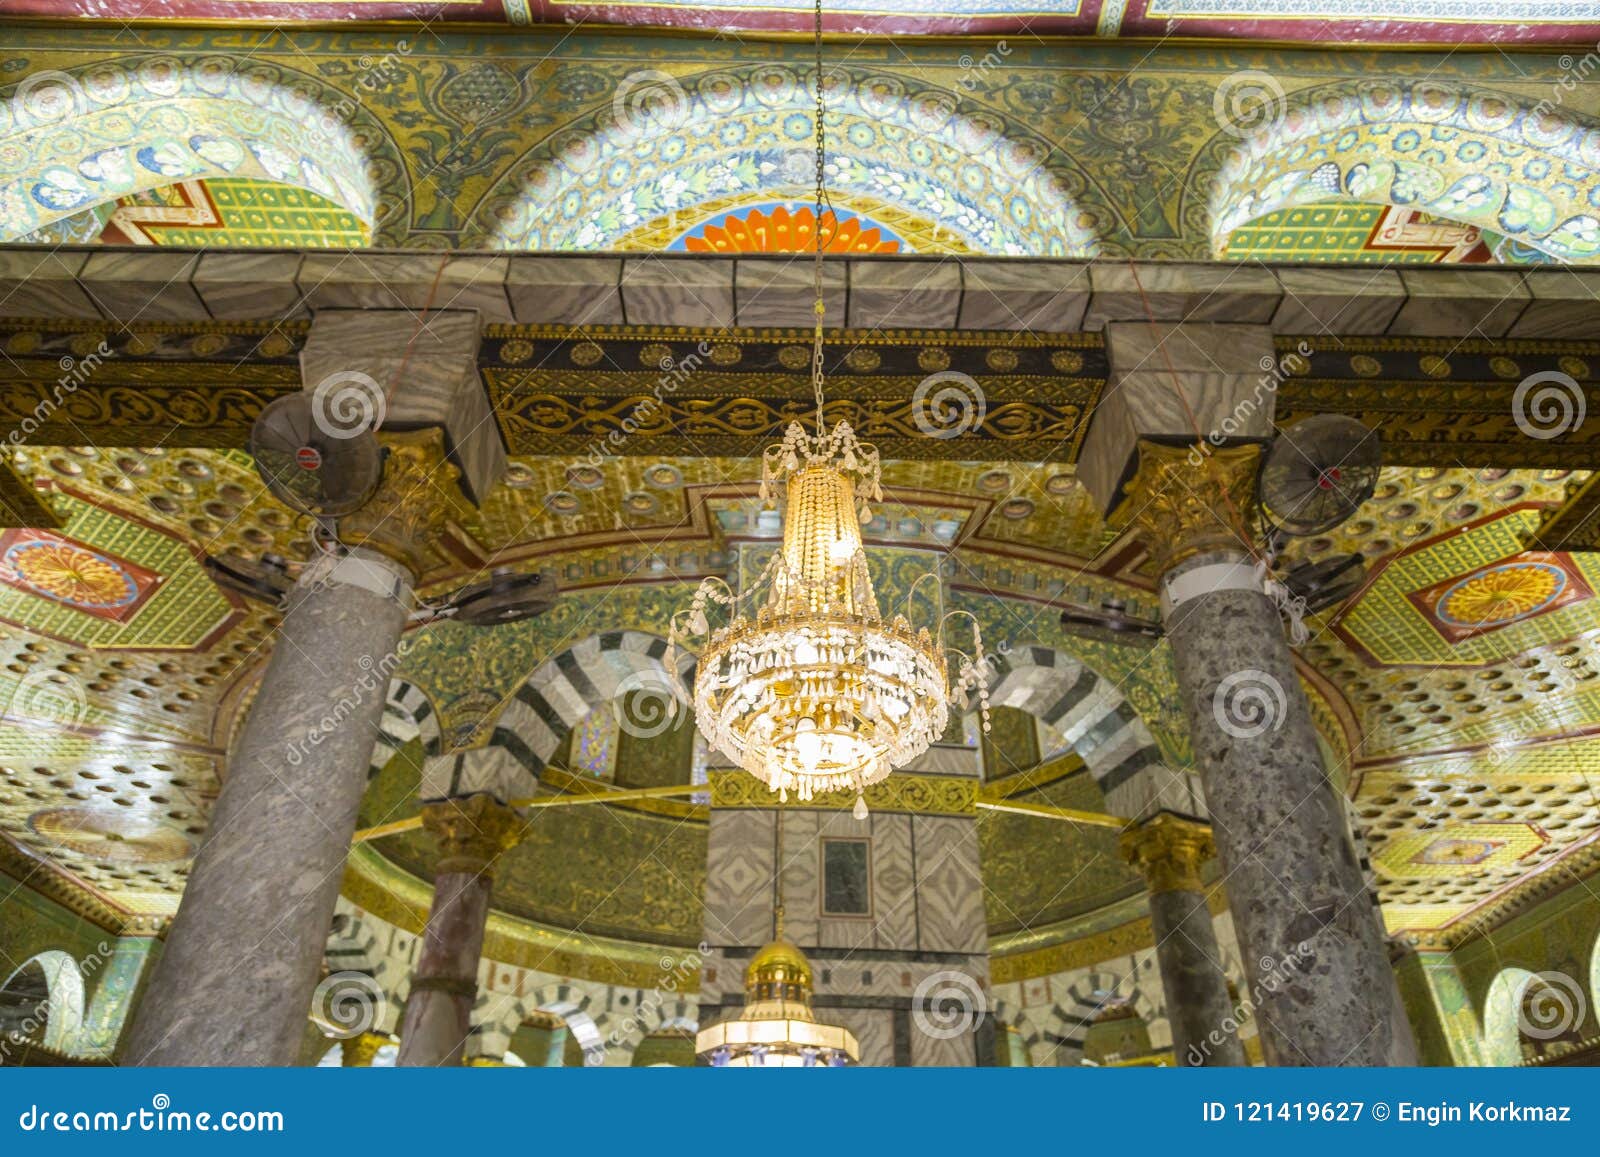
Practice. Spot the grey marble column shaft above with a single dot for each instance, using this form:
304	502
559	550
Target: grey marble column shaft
444	987
234	985
1320	981
1203	1018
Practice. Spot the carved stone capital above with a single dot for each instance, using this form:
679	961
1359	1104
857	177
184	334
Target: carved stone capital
1184	501
1169	851
418	495
360	1050
472	832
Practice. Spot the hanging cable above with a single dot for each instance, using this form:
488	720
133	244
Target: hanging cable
821	193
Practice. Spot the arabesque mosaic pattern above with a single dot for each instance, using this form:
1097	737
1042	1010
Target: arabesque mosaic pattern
670	144
1449	149
69	141
576	141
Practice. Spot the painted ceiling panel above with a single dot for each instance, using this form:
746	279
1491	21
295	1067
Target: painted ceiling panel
1306	21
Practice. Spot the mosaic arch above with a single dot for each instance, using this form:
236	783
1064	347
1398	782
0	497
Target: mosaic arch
668	146
1484	158
64	985
1067	1021
1099	725
71	142
496	1015
407	715
1502	1016
616	665
1033	1038
1594	976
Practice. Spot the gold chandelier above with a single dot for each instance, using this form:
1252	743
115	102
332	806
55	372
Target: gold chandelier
816	691
777	1028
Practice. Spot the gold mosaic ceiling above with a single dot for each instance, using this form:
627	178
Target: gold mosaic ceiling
114	761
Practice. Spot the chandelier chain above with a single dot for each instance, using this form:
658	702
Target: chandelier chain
821	197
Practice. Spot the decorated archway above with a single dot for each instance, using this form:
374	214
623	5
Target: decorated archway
71	142
1099	724
671	156
1528	172
42	1001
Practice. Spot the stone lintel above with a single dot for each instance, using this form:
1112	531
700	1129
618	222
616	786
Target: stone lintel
440	385
1178	383
1039	295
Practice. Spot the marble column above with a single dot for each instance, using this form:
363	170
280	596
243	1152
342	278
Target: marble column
1169	850
234	984
1172	455
1320	981
472	833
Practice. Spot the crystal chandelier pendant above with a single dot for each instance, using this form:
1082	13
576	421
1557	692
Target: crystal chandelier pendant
816	691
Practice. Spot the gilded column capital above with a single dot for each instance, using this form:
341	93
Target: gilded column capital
1169	851
361	1050
472	832
1188	500
419	493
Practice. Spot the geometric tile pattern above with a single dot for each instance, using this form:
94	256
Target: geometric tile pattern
1473	597
108	582
1449	832
1350	231
1493	597
233	213
74	575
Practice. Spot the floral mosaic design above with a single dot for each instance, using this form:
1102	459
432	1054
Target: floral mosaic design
779	228
66	572
1497	596
1448	150
73	141
749	131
